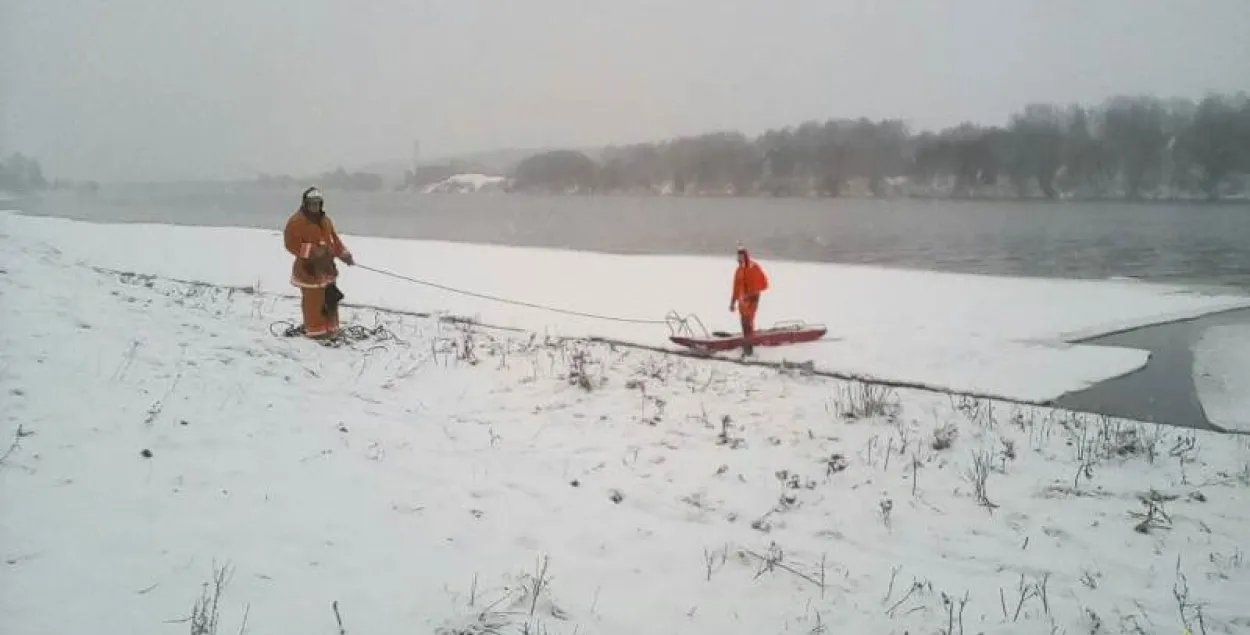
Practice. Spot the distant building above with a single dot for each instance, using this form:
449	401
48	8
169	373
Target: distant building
466	184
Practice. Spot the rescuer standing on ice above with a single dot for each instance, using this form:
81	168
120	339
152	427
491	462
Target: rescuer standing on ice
749	282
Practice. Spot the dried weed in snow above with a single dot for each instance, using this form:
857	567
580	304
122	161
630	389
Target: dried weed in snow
17	442
861	400
1154	516
580	372
525	598
977	475
944	436
979	412
1038	590
205	613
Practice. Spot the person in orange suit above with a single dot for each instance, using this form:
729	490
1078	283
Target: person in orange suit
311	238
749	282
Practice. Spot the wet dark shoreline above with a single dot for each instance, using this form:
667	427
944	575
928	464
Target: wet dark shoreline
1162	391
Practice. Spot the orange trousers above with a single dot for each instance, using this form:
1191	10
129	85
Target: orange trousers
746	311
316	322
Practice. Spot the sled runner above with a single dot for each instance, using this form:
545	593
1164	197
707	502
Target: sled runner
780	334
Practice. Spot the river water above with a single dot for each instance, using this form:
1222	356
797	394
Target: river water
1183	243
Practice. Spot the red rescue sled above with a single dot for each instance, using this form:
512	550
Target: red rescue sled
780	334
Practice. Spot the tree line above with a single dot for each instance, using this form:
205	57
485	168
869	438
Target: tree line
1130	147
338	179
20	174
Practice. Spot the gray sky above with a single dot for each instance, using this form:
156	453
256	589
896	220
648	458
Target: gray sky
168	89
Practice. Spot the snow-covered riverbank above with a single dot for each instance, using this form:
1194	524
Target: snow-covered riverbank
481	481
993	335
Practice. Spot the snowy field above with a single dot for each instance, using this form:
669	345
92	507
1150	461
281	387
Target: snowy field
978	334
1222	375
459	480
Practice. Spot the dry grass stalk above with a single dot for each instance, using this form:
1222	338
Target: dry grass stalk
978	474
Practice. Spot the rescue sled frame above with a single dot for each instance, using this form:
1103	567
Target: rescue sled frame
682	332
681	326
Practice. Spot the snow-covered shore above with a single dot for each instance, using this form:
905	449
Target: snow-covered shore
154	431
979	334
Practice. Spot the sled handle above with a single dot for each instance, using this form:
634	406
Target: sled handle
679	325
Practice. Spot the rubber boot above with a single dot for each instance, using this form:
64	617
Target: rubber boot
748	329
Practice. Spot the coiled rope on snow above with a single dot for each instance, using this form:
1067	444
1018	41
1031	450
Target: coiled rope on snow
347	336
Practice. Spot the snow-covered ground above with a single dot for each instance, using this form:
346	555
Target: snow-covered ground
979	334
1222	375
465	184
470	481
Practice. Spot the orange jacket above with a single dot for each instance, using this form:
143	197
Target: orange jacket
302	236
749	280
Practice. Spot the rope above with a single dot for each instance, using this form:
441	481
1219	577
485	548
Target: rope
347	335
483	296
